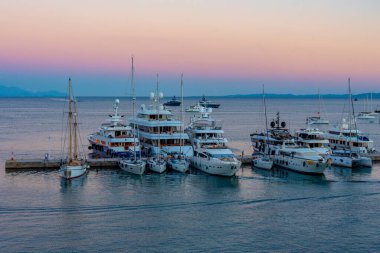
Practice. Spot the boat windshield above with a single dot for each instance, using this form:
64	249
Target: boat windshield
223	155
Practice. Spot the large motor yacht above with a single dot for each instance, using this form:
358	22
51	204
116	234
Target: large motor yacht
156	125
345	137
114	138
211	153
269	142
300	159
314	139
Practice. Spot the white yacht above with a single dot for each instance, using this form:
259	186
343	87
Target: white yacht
265	161
316	120
300	159
349	159
345	137
178	161
267	142
135	164
154	123
72	166
114	138
194	108
368	117
313	138
156	163
211	153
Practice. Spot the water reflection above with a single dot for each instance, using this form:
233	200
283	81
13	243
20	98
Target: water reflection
278	172
72	183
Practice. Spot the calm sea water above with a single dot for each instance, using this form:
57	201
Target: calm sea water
109	210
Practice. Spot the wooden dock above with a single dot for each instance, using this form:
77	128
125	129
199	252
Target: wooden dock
20	164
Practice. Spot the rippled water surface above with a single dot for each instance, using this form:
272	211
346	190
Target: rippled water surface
109	210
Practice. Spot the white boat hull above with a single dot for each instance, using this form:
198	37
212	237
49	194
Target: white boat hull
263	163
70	172
131	166
158	167
216	166
300	164
179	165
350	162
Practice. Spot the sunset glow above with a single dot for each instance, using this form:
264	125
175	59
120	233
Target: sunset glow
315	43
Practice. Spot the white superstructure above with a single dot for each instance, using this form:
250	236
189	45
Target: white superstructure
156	124
313	138
114	138
211	153
349	138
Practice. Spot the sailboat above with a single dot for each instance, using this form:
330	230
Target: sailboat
178	161
73	167
317	120
350	158
156	163
367	115
134	164
265	161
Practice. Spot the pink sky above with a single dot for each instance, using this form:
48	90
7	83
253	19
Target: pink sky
276	41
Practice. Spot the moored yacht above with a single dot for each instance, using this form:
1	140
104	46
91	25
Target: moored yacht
194	108
313	138
114	138
156	124
211	153
72	166
344	137
300	159
156	163
207	103
349	159
272	139
173	102
134	164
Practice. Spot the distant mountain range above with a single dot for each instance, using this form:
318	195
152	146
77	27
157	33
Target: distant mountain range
18	92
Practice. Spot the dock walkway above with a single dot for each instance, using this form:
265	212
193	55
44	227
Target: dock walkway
19	164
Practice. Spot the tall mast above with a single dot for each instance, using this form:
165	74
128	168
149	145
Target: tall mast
70	123
157	100
319	103
266	118
133	109
180	136
75	126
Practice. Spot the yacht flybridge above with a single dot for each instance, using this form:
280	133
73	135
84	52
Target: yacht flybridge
211	153
114	138
158	130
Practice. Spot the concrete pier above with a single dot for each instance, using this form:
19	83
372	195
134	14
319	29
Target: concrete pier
19	164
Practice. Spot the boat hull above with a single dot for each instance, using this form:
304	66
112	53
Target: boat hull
133	167
300	165
215	167
69	172
178	165
156	167
262	163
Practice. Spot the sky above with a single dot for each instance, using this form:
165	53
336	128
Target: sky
221	46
